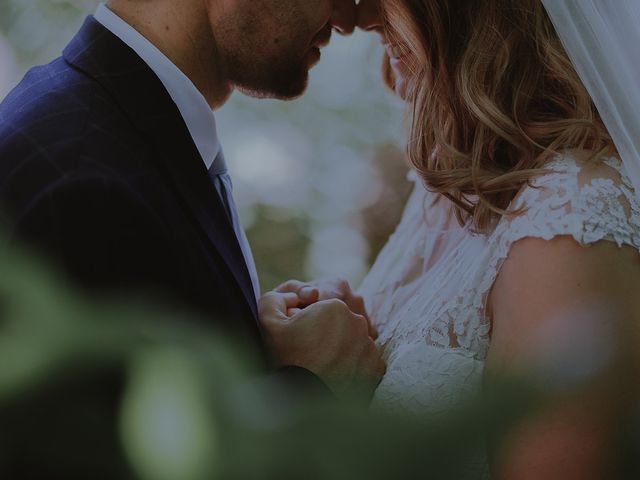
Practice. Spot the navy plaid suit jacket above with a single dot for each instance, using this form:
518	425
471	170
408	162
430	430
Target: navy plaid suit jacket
99	172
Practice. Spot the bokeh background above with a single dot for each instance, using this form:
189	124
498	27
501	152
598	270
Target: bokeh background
320	181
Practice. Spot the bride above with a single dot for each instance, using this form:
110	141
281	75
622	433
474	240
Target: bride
520	242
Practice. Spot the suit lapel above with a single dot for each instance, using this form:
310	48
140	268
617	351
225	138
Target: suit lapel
145	101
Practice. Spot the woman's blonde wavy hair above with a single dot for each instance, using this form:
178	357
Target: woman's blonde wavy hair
493	98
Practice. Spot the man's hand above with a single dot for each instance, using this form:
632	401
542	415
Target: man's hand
326	338
327	289
343	17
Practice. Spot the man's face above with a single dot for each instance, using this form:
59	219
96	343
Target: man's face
268	46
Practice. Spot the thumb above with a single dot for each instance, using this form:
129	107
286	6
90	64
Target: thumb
275	305
309	295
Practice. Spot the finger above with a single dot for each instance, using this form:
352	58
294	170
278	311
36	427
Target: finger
333	288
356	304
332	306
291	300
343	287
274	302
336	304
343	18
308	295
273	307
363	324
373	331
292	312
291	286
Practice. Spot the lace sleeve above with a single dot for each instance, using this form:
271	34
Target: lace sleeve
590	202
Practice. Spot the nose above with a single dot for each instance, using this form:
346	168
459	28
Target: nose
343	16
368	15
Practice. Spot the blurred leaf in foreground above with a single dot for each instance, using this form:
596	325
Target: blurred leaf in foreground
91	389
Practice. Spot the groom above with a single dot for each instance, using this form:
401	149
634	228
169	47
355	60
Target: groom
111	167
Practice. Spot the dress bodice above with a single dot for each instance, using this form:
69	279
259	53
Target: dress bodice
427	291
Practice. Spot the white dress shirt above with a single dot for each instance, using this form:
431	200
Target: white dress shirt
193	107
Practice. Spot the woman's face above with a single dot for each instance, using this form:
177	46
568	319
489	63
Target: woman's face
401	60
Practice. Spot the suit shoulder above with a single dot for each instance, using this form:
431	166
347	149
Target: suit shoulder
52	94
59	124
60	113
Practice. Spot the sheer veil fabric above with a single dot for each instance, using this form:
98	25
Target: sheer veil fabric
602	38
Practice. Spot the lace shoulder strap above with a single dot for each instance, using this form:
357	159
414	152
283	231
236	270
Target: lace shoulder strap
590	201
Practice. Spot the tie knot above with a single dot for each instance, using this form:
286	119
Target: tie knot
219	165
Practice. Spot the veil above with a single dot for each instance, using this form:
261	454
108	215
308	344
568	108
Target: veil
602	38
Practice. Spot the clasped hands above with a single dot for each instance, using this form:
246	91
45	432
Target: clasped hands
323	327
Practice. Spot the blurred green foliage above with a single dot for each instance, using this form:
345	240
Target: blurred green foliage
95	389
107	389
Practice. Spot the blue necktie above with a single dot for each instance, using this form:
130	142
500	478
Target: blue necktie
222	182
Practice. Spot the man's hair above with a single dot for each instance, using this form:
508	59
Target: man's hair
493	97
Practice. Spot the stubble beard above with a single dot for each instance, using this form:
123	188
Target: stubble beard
282	80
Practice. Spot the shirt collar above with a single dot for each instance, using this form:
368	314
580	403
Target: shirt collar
192	105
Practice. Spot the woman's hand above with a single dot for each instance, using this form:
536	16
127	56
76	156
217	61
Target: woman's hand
310	293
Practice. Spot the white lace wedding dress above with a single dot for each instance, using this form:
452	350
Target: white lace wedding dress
428	289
